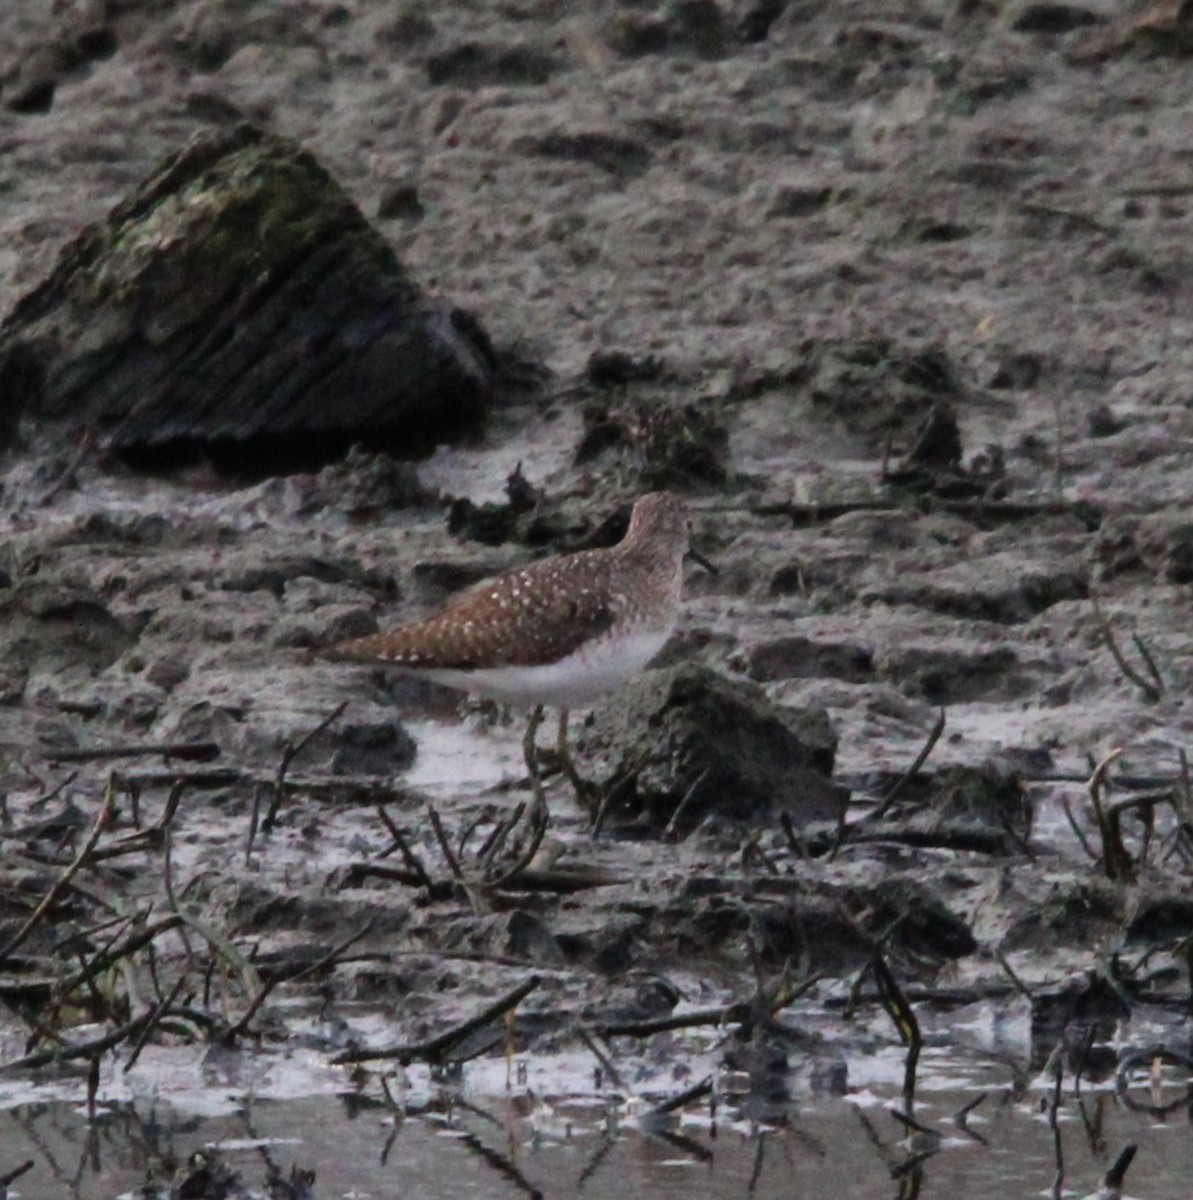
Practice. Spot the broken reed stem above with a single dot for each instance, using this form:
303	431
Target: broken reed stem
412	861
289	753
186	751
145	838
598	1052
15	1174
1148	661
444	845
109	956
159	1011
911	772
696	1092
682	806
1152	691
328	959
843	830
1058	1177
103	818
1077	831
68	1053
904	1019
1115	860
434	1049
500	834
525	858
254	823
1018	983
794	841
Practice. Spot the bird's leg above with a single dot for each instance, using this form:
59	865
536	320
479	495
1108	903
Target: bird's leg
538	811
587	792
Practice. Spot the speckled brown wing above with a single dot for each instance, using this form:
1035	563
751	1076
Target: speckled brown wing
525	618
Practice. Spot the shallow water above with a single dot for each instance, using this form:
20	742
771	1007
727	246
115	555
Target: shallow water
468	1138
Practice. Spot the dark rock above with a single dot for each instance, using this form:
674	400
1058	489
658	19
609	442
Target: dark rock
258	908
41	70
274	574
206	1177
1104	422
433	582
213	108
757	16
558	525
938	233
373	748
478	64
1005	589
1053	18
608	944
810	929
791	200
239	306
801	658
698	25
1075	912
1161	921
938	442
96	41
621	156
718	746
168	670
400	201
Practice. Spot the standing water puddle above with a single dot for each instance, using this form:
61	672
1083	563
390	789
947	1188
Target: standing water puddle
476	1136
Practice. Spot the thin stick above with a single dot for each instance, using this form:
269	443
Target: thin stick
434	1049
1064	804
607	1064
444	844
187	751
154	1017
80	860
682	806
408	856
793	838
1125	667
500	835
289	754
911	772
266	988
1020	986
1148	661
1115	859
525	858
696	1092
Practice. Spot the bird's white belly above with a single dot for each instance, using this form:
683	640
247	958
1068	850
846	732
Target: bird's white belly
590	672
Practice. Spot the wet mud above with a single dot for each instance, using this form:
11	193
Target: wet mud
897	299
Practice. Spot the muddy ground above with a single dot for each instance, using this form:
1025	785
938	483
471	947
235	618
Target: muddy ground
800	229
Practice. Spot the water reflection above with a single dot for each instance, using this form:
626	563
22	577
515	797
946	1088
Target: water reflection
451	1144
